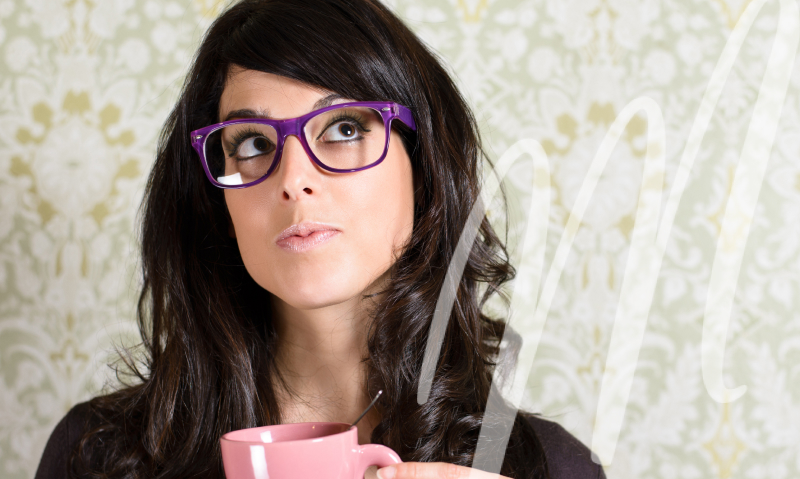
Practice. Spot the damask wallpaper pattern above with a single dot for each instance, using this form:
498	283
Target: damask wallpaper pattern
86	84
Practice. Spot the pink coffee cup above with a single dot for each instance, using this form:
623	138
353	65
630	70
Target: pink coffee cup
306	450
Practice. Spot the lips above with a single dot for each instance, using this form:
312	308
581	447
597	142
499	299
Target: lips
304	236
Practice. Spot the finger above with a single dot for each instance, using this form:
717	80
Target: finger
371	472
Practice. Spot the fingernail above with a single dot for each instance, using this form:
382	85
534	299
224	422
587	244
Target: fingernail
387	472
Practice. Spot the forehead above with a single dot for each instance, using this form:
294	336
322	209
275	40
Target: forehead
275	95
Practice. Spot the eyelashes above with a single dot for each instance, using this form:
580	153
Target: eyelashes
353	118
240	137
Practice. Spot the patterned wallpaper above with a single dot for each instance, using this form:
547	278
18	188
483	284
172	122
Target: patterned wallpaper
86	84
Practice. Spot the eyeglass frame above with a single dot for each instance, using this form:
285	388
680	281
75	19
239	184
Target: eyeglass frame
389	110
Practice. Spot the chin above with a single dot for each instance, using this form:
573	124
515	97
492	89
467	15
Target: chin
309	288
304	293
315	300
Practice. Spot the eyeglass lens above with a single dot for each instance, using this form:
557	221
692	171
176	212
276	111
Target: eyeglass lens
343	138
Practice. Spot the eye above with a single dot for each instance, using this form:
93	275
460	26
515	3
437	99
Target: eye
252	147
342	131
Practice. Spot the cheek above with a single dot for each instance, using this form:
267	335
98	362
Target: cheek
249	224
387	215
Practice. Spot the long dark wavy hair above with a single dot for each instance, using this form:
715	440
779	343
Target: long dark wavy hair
208	336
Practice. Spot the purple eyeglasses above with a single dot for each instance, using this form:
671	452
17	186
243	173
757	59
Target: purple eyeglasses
340	138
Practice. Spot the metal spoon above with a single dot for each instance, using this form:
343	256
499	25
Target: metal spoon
367	409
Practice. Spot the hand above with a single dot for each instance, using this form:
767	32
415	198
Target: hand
433	470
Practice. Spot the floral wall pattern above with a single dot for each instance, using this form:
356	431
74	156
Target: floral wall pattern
86	84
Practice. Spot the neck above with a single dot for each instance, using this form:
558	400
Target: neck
319	356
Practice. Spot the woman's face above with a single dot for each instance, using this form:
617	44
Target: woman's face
367	216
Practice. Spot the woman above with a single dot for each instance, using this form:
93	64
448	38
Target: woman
291	268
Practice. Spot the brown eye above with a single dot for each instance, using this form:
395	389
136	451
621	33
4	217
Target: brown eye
254	147
261	144
342	131
346	129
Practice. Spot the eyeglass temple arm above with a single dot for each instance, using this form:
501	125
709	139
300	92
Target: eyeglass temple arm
405	116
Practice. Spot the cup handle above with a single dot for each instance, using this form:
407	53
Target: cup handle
374	455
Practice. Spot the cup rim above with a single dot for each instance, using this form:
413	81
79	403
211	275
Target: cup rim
348	429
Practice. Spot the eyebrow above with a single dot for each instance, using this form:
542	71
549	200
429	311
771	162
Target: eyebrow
263	113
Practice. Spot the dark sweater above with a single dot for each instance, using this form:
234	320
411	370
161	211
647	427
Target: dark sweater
567	458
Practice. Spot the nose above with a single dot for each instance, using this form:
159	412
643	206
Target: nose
298	175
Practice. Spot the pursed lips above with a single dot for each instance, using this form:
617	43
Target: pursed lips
305	235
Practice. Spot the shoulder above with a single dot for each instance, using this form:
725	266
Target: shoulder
63	440
567	457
